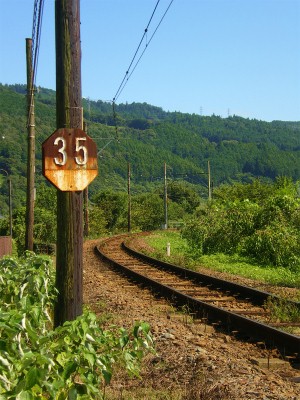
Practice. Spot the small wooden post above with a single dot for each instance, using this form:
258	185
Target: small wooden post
168	249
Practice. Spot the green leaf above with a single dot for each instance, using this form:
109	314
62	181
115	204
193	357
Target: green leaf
62	358
107	376
123	340
61	396
72	395
70	367
24	395
84	326
90	358
67	340
2	346
32	378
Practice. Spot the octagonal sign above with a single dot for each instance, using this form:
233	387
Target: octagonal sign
70	159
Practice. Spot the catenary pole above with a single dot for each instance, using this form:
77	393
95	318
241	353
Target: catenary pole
69	258
129	196
86	201
30	196
209	180
10	206
165	196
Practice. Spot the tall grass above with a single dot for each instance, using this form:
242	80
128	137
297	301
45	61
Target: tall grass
233	264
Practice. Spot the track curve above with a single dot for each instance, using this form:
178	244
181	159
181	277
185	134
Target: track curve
237	308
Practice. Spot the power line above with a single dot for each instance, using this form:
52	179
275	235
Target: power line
147	44
128	69
128	72
36	34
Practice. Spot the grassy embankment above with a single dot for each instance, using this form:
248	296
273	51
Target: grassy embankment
220	262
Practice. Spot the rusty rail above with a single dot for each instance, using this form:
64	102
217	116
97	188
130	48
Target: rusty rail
286	343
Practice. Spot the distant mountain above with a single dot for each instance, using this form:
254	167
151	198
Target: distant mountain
238	149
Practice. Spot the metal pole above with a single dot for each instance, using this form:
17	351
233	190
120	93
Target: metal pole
209	180
30	150
129	196
86	201
69	257
10	206
165	196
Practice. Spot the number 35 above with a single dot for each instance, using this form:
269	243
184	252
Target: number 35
80	149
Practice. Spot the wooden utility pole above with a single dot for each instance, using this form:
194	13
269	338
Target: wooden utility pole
30	197
69	258
165	196
129	196
9	200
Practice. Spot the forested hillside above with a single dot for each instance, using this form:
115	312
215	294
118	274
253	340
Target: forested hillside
238	149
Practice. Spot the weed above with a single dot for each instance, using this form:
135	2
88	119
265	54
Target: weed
282	310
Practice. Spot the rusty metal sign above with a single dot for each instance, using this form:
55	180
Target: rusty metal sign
70	159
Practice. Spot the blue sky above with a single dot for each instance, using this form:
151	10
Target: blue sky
208	57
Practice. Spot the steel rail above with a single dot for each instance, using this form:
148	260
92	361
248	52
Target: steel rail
256	296
286	343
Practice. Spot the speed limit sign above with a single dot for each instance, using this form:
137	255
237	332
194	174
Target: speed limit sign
70	159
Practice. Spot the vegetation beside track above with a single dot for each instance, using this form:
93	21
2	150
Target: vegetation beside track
74	361
233	264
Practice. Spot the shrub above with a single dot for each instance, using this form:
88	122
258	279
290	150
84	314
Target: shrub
277	244
221	229
74	361
194	234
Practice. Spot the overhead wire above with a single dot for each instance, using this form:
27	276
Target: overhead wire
126	78
139	45
36	36
128	72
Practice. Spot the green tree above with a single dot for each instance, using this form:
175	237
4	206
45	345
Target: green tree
266	229
113	206
179	192
97	222
147	211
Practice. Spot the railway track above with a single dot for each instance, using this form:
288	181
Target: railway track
238	309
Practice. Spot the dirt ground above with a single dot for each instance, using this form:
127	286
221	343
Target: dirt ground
192	361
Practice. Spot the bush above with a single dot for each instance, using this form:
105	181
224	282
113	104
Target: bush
268	233
44	227
97	222
74	361
194	234
233	223
221	229
277	245
279	208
